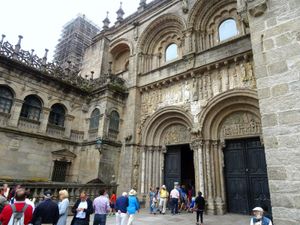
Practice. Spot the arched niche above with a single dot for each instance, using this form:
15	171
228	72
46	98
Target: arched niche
232	114
153	42
167	126
206	18
120	54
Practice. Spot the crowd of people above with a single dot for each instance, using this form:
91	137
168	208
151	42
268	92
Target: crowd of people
178	200
16	207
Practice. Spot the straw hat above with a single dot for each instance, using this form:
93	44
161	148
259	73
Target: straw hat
132	192
259	209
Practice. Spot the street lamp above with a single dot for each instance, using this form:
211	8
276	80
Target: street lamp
99	144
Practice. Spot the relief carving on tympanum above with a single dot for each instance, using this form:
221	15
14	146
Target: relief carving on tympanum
176	134
241	124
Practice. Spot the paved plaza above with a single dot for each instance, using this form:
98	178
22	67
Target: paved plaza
144	218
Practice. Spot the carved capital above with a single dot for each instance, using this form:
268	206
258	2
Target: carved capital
257	8
196	144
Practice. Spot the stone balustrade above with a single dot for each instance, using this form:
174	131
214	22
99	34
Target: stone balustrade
37	189
4	118
28	125
55	131
93	134
77	135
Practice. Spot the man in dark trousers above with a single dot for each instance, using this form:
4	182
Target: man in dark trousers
82	210
46	212
199	207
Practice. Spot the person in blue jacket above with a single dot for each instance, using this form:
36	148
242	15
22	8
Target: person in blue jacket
133	206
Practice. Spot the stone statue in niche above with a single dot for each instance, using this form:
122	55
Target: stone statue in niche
185	6
135	175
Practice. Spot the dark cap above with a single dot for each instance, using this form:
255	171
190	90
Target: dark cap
48	194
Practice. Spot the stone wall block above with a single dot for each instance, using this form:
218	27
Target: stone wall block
280	89
271	142
290	117
264	93
277	173
269	120
277	68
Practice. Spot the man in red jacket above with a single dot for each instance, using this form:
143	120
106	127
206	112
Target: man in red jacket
19	204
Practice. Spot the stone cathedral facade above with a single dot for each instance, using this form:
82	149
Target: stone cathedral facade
204	93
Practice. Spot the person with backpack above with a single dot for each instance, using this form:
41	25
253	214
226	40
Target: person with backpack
18	213
46	212
199	207
259	218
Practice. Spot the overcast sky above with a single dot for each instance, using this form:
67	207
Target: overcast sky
40	21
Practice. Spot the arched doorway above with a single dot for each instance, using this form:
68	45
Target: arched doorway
233	154
165	145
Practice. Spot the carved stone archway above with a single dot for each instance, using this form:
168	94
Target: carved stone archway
230	115
170	125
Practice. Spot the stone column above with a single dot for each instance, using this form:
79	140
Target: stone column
162	164
197	146
15	112
218	179
188	41
143	170
86	129
200	167
209	161
44	120
150	174
68	125
222	178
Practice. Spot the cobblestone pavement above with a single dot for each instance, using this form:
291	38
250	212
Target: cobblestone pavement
144	218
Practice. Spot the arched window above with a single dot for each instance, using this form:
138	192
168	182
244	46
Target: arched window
171	52
227	29
57	115
6	99
94	120
114	121
31	108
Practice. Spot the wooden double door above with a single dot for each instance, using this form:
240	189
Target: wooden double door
179	166
246	175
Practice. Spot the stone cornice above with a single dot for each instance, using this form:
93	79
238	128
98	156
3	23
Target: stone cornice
196	71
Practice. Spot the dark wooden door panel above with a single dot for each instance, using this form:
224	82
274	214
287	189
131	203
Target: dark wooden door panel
172	167
236	195
246	175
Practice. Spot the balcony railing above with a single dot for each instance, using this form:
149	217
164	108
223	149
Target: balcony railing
55	131
93	134
28	125
113	135
37	189
4	118
77	135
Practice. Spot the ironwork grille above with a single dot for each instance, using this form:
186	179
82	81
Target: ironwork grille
57	115
114	121
6	98
94	120
60	171
32	108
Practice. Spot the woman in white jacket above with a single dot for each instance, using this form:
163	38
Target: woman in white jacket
63	207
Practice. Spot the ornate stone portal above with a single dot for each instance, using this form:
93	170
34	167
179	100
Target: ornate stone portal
176	134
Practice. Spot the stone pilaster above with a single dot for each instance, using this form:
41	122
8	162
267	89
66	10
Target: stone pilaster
44	120
68	125
15	113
